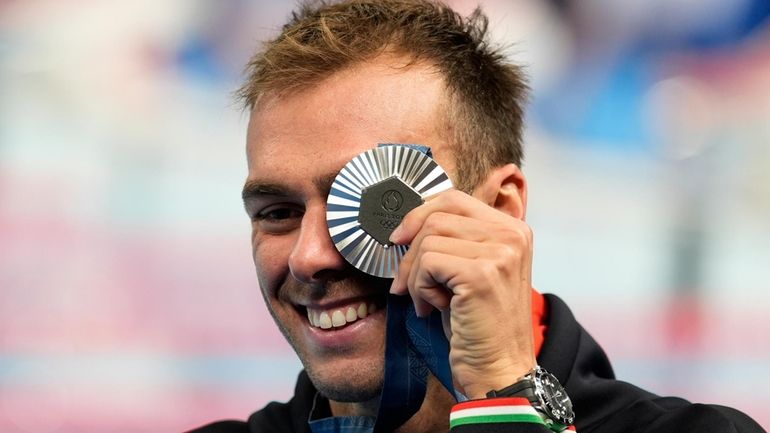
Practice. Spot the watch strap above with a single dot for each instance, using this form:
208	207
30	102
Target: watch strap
523	388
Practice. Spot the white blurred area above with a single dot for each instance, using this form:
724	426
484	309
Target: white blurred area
128	300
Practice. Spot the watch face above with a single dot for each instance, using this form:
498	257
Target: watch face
557	404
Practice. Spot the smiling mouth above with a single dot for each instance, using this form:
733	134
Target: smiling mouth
341	316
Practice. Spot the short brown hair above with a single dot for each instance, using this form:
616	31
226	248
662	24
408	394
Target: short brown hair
484	108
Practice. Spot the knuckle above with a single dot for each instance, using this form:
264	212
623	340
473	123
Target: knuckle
508	254
430	243
434	222
520	235
489	269
428	260
454	194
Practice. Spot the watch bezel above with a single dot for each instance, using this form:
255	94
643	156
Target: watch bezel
548	390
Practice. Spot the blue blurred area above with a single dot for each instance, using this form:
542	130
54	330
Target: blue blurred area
198	58
610	114
605	108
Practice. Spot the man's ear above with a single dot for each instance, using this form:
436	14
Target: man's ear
505	189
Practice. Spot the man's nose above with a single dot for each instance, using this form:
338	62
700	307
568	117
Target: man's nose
314	257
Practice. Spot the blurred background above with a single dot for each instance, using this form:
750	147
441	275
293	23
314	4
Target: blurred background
128	301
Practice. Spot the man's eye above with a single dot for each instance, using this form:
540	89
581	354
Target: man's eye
278	214
278	219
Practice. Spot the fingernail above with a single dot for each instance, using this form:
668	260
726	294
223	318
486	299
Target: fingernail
396	233
392	290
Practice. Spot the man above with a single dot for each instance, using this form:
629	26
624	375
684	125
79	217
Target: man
340	79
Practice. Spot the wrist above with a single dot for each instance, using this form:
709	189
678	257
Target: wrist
490	380
544	392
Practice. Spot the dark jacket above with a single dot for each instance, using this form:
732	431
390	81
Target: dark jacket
602	404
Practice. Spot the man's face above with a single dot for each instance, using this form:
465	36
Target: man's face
296	145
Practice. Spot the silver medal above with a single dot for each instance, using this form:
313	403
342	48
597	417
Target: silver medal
369	198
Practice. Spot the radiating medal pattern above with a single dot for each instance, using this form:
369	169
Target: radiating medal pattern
369	197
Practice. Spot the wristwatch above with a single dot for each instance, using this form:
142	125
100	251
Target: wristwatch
546	395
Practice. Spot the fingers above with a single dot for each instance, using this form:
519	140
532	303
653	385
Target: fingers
474	264
451	238
431	270
426	287
433	221
441	266
433	239
452	202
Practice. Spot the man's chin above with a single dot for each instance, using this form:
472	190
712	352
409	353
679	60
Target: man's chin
346	386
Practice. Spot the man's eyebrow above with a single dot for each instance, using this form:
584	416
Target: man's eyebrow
254	187
324	183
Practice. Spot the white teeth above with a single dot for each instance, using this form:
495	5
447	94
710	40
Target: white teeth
338	319
351	315
324	320
316	319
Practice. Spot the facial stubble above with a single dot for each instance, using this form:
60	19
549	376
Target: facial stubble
360	381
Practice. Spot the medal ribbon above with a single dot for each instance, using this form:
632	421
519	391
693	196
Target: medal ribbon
414	346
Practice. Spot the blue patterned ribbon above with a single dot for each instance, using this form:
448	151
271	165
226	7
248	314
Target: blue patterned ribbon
414	346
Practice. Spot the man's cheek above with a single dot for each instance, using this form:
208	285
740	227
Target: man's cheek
271	262
265	278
